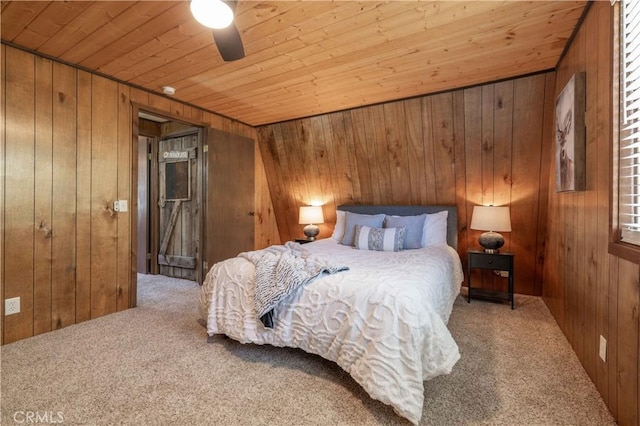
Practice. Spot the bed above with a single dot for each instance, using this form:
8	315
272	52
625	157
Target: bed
383	320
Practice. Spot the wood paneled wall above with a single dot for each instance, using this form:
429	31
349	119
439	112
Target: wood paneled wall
66	156
481	145
590	292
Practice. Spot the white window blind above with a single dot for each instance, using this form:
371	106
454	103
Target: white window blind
629	155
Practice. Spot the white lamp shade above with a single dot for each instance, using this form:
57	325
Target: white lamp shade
311	214
491	218
212	13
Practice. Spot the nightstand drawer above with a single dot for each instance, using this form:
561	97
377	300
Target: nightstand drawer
478	260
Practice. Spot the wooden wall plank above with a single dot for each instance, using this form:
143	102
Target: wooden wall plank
461	180
83	197
104	191
303	136
503	117
487	125
125	256
19	192
499	167
397	152
545	170
442	110
63	306
324	180
364	157
139	96
473	157
332	166
177	108
415	151
159	102
590	205
295	178
346	127
582	333
603	80
381	168
429	149
292	187
345	162
196	115
43	197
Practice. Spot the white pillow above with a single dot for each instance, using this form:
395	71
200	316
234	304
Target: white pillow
379	239
435	229
338	230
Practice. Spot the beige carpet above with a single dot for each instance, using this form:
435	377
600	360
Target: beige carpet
152	365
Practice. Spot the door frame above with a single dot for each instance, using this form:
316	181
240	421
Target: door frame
144	158
135	110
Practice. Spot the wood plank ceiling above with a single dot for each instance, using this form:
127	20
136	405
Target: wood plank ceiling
302	57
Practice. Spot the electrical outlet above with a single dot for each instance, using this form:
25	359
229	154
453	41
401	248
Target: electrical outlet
603	349
120	206
12	306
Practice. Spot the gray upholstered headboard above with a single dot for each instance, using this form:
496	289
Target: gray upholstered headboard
452	218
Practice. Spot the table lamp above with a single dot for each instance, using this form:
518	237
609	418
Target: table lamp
491	219
311	216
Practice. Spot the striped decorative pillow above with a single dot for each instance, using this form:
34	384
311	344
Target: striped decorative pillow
379	239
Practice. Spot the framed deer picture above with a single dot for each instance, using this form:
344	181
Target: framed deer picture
570	136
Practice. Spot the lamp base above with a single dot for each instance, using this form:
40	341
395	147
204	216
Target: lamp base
311	231
491	241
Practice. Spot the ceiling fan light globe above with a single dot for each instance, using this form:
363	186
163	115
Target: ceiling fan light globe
214	14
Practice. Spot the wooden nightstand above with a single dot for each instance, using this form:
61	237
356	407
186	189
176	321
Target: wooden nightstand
493	261
303	240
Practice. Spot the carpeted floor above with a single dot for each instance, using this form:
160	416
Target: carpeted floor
152	365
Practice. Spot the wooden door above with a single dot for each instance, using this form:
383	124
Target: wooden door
179	206
229	228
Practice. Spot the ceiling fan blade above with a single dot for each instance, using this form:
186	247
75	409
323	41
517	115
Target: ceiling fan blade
229	43
228	39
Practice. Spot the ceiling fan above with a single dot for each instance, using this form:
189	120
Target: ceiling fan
218	15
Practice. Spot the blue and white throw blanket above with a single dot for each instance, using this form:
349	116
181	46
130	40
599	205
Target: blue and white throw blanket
280	270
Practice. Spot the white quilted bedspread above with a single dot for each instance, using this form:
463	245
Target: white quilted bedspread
383	321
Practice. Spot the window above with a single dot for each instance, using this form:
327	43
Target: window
629	121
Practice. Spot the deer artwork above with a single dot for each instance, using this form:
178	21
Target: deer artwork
565	162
